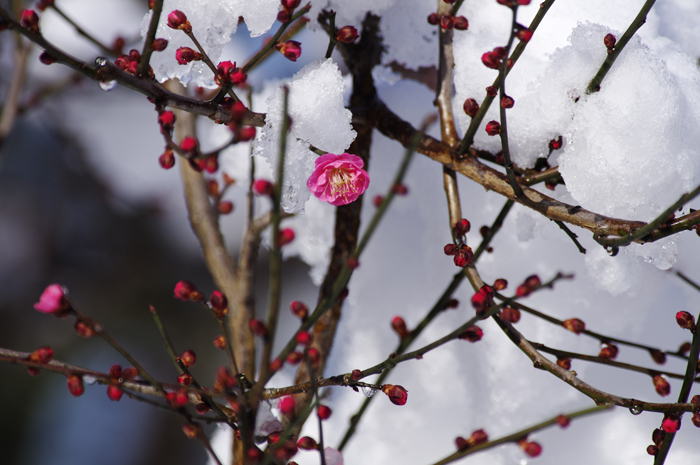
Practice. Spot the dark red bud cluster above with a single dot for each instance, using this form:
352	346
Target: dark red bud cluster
531	283
397	394
472	334
128	62
478	437
463	256
495	57
185	379
228	73
483	299
307	443
574	325
471	108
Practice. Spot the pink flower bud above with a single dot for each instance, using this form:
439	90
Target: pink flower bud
263	187
685	320
397	394
493	128
671	424
323	412
258	327
338	179
490	61
178	20
555	144
245	133
472	334
75	385
347	34
295	358
524	34
185	379
574	325
531	448
218	302
285	237
303	338
483	299
159	45
461	23
291	49
188	358
114	393
185	290
189	144
663	388
471	108
30	21
53	300
356	375
463	256
609	40
290	4
399	326
299	309
166	120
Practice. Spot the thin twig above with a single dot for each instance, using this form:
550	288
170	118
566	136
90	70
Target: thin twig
571	235
145	59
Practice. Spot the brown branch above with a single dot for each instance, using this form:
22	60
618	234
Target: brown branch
10	106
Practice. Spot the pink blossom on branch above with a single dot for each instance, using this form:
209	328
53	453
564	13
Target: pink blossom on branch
338	179
52	300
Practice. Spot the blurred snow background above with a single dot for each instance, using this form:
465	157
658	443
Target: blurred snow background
629	151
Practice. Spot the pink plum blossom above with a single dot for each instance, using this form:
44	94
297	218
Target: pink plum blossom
52	300
338	179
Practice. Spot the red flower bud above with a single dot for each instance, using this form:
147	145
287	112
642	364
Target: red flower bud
555	144
189	144
307	443
493	128
507	102
433	19
220	342
115	371
463	256
609	40
461	23
696	419
472	334
684	349
224	72
295	358
167	159
178	20
257	327
275	365
166	120
652	449
285	237
563	421
185	379
185	55
564	363
299	309
461	443
219	303
290	4
483	299
129	373
185	290
47	59
452	303
663	388
42	355
75	385
524	34
450	249
500	284
323	412
356	375
303	338
399	326
574	325
191	430
657	436
347	34
314	356
685	320
30	21
491	91
159	45
462	227
671	424
245	134
114	393
510	314
352	263
447	22
400	189
188	358
263	187
225	207
531	448
608	351
478	437
658	356
291	49
471	108
83	329
397	394
489	60
377	201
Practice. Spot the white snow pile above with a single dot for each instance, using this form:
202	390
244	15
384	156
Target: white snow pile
213	23
319	118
